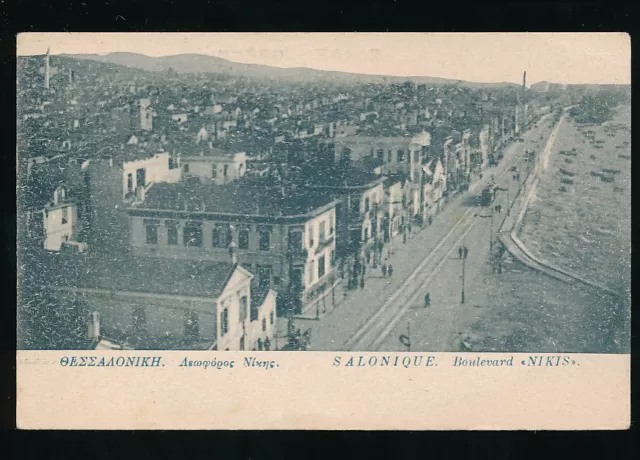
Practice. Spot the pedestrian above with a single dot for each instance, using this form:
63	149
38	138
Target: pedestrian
364	269
390	270
267	344
362	283
384	270
427	300
430	220
460	252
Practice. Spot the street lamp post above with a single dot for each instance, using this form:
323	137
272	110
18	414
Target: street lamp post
463	251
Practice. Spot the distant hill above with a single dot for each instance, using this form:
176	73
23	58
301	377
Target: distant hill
202	64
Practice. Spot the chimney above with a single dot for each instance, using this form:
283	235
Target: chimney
233	252
93	331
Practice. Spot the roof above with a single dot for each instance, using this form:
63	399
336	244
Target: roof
343	177
158	276
261	196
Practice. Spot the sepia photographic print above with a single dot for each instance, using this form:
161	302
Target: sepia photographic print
454	200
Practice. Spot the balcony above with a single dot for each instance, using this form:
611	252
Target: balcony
324	243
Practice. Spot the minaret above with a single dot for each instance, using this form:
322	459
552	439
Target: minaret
46	69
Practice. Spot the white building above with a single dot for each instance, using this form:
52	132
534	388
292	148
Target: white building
214	165
55	222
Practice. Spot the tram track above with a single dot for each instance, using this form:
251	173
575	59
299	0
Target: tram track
372	333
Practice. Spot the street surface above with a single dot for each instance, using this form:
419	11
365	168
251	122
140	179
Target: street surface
372	318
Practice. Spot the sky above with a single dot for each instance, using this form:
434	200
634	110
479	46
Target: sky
481	57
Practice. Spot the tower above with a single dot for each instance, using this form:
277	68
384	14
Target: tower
47	69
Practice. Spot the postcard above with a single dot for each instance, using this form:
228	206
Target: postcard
360	231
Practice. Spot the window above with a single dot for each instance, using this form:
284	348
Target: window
172	233
151	231
214	171
333	258
311	232
295	241
380	154
215	238
171	164
265	239
65	215
400	155
192	234
311	272
321	266
346	155
129	182
226	170
253	311
140	177
272	318
186	167
366	205
224	322
243	238
242	343
366	234
243	308
389	156
331	225
264	324
321	232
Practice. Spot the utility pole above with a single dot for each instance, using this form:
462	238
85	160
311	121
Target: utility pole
490	230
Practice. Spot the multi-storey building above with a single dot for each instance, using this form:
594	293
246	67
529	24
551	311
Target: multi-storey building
398	152
285	236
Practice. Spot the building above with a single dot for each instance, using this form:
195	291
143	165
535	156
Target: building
284	235
434	187
395	203
214	165
50	207
164	304
115	179
359	215
54	222
399	152
145	115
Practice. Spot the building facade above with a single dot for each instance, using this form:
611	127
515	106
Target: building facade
215	166
291	252
171	305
